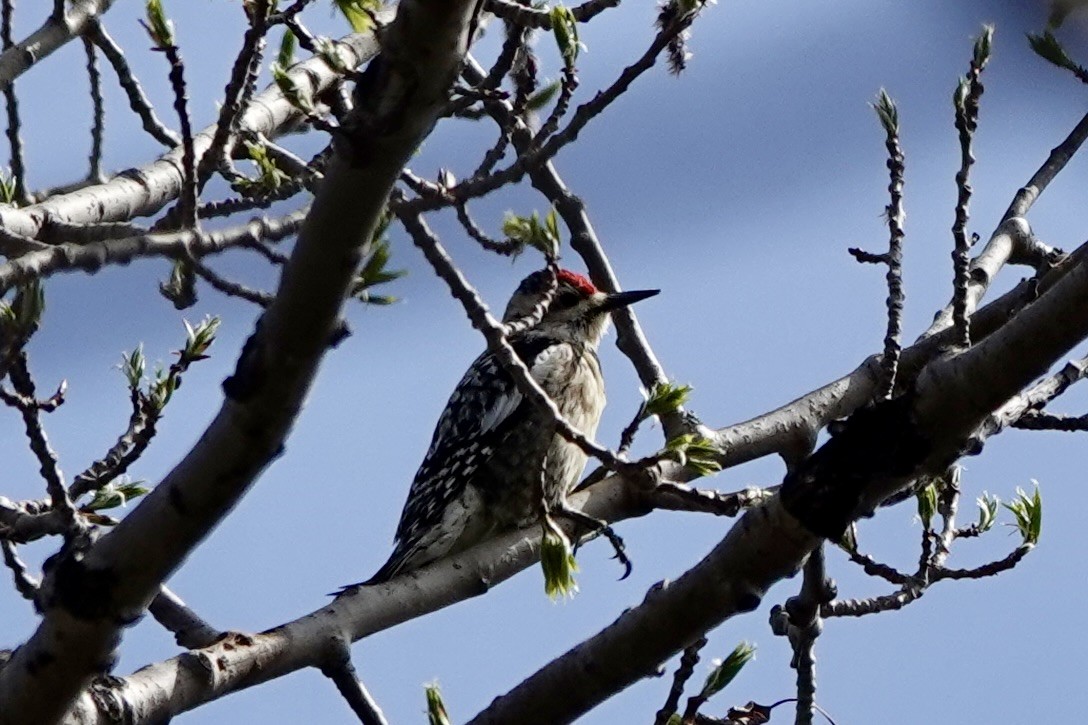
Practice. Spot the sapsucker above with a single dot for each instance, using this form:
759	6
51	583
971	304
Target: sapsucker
495	460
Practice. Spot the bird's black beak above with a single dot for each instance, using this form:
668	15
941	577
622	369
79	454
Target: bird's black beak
621	299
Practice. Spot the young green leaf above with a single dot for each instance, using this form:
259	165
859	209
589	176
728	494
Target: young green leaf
114	494
133	366
436	709
542	98
887	112
374	273
158	27
294	94
694	452
24	312
270	176
180	289
7	188
565	29
665	398
984	44
530	231
1028	512
1047	47
334	54
285	58
359	13
726	670
198	339
987	511
927	503
557	561
161	389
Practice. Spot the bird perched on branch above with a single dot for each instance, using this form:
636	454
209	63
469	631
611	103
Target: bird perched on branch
495	461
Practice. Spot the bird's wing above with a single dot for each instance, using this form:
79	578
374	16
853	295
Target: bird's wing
478	417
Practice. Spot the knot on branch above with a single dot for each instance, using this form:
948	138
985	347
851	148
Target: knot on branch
878	442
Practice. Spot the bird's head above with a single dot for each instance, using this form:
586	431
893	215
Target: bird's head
579	312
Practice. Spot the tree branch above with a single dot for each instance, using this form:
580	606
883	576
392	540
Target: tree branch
146	191
54	33
88	599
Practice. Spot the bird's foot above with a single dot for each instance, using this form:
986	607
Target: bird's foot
597	527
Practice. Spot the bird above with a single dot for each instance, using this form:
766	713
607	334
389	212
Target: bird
495	461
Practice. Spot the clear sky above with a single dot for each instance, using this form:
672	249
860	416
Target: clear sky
736	189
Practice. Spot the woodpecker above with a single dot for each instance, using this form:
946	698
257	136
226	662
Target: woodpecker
495	459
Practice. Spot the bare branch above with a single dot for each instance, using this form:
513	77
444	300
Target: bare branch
147	190
1055	162
190	631
91	257
339	669
25	583
240	87
895	215
98	127
54	33
965	101
688	660
1034	420
264	395
541	19
39	445
137	100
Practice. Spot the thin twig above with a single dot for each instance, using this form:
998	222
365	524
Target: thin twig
507	247
189	629
341	671
98	128
19	374
189	185
541	19
965	101
893	348
688	660
137	100
126	451
475	187
872	567
68	257
18	166
1038	420
240	87
229	287
25	583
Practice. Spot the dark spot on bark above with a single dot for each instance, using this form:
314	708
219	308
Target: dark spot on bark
249	375
83	592
341	332
36	663
177	500
748	601
876	443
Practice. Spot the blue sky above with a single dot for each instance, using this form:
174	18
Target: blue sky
736	189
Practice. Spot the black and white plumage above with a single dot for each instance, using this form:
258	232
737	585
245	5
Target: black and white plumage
495	459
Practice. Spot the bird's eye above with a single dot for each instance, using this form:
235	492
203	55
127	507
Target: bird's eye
564	300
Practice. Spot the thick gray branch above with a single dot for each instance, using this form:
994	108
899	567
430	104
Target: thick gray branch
86	601
163	690
145	191
53	34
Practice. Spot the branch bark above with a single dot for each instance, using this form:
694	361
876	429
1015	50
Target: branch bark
89	596
146	191
879	452
53	34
